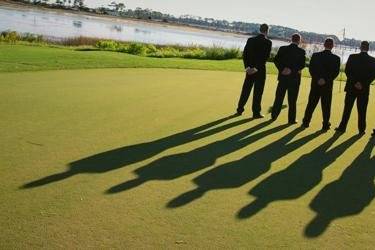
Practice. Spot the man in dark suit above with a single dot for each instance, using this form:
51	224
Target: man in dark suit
255	55
290	60
324	68
360	72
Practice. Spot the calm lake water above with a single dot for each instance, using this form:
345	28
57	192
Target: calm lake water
62	25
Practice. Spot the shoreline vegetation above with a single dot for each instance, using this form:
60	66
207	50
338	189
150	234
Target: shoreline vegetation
133	48
118	10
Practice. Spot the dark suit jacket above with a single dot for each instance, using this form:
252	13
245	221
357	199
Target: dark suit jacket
324	65
257	51
292	57
360	68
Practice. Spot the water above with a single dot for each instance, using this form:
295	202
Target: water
58	24
63	25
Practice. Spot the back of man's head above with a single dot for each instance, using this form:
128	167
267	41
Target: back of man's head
365	46
296	38
264	28
329	43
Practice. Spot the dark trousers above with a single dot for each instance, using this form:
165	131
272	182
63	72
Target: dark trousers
362	102
257	80
292	87
325	96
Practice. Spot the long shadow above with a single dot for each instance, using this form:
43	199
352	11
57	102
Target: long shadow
297	179
122	157
347	196
177	165
237	173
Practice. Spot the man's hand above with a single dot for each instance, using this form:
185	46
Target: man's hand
286	71
251	71
321	82
358	86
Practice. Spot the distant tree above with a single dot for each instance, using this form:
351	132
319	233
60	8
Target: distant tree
112	5
79	3
138	12
60	2
118	7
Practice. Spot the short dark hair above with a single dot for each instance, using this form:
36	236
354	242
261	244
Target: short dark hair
329	43
296	38
365	45
264	28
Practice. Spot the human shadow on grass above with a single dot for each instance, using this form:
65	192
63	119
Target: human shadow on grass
237	173
347	196
122	157
177	165
297	179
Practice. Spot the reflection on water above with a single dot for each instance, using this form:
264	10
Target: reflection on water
142	31
77	24
117	28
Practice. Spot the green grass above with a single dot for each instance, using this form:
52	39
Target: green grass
18	58
88	120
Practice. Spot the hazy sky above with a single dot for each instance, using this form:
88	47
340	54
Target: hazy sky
312	15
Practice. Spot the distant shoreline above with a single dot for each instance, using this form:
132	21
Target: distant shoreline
23	6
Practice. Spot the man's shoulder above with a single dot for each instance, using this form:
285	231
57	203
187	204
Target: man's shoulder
261	38
336	57
296	49
331	56
372	59
317	54
251	39
353	56
302	51
268	41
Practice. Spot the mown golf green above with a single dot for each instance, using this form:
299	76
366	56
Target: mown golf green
151	158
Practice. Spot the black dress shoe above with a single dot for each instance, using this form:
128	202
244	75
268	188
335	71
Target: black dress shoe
305	125
258	116
238	113
340	130
293	122
361	133
326	128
